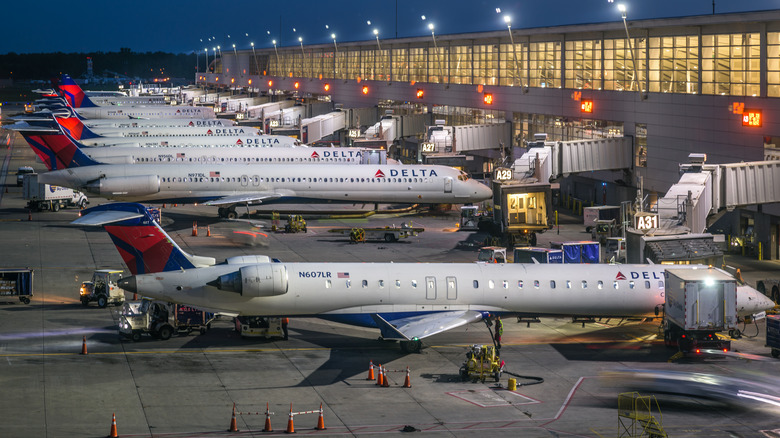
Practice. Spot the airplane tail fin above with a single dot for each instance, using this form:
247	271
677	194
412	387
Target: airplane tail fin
56	148
75	128
73	93
144	246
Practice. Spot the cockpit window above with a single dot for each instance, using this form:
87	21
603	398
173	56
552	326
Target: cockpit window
463	176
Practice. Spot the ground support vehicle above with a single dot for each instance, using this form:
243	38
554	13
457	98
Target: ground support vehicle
103	288
259	327
160	319
531	254
698	305
388	234
520	212
600	213
470	217
482	362
615	250
579	252
492	254
770	288
773	334
605	229
21	172
295	223
16	283
41	197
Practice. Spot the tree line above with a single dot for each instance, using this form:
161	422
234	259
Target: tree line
124	63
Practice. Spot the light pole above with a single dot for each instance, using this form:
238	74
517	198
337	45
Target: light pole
433	36
379	51
622	9
336	56
518	72
303	55
257	67
278	67
236	55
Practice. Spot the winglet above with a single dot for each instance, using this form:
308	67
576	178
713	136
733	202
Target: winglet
144	246
73	93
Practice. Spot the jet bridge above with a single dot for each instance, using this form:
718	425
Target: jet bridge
706	191
563	158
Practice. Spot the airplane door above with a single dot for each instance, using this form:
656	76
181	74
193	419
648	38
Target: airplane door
255	180
447	184
244	180
430	288
452	288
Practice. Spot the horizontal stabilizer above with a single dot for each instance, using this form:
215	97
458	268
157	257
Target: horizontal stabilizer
105	217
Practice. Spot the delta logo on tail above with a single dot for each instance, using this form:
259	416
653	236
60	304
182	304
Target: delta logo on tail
145	249
73	125
620	276
379	174
56	151
73	93
315	155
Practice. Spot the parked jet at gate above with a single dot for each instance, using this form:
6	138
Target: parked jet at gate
110	134
406	301
45	140
70	90
228	185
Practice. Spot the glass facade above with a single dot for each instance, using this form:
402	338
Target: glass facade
717	64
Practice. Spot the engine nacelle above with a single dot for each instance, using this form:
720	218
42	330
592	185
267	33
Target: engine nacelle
114	159
126	185
246	259
260	280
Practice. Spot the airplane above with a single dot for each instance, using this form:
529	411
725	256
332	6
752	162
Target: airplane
54	139
106	134
60	105
229	185
45	117
78	98
406	301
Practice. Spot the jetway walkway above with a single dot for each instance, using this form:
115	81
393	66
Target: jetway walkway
549	161
705	192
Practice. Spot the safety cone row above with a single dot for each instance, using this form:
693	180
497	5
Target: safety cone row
112	433
233	426
380	376
321	420
84	346
290	425
267	427
195	229
407	381
370	370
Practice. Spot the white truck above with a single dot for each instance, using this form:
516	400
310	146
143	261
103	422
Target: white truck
699	303
591	215
41	196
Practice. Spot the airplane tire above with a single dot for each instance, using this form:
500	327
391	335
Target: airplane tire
221	212
231	214
411	346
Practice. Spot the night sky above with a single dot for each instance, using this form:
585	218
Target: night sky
179	26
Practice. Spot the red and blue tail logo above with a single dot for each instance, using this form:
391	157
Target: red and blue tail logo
143	245
75	128
73	93
57	151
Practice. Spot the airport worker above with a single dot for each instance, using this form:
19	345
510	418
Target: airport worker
499	331
285	321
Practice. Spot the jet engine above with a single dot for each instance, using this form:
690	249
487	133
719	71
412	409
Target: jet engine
260	280
126	185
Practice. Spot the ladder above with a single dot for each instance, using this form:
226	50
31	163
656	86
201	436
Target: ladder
636	417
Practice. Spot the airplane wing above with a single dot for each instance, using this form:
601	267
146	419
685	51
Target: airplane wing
422	326
252	198
105	217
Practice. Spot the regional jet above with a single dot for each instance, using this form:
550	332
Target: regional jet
406	301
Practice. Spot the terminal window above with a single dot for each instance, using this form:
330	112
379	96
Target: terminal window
731	64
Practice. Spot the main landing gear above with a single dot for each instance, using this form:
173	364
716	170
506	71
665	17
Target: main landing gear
228	213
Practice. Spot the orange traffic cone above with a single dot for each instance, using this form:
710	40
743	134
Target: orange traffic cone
208	231
407	382
385	380
84	346
112	433
379	376
175	205
163	206
321	420
135	296
290	426
370	370
233	426
194	228
267	427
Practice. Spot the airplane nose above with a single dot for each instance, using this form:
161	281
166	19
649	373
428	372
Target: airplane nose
484	192
751	301
763	302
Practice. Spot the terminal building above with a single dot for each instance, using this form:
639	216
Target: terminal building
670	89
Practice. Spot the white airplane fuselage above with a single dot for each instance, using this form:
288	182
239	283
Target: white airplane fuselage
136	123
159	112
350	291
195	183
194	140
174	131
